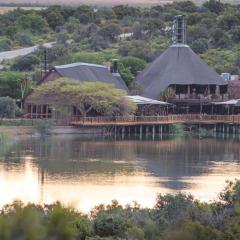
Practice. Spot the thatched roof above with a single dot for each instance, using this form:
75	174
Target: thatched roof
90	72
177	65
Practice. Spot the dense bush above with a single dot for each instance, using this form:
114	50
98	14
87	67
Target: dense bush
7	107
25	63
173	218
9	84
5	44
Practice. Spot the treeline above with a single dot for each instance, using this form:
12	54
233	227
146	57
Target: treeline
173	218
96	35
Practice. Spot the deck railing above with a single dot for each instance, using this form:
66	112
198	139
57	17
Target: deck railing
161	119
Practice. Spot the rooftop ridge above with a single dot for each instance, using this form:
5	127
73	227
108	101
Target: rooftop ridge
79	64
179	45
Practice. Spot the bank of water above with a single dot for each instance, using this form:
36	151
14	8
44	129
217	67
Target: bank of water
84	172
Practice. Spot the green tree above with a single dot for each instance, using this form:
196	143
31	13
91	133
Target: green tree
106	225
7	107
72	24
32	22
25	63
134	64
110	32
228	21
61	223
200	46
9	86
62	37
214	6
24	39
192	230
220	39
102	97
5	44
54	17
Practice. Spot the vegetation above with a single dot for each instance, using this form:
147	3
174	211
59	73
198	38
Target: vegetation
174	217
95	36
7	108
102	98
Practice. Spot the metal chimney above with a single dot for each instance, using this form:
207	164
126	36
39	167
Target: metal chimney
179	30
114	66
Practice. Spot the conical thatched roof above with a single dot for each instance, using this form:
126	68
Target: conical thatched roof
177	65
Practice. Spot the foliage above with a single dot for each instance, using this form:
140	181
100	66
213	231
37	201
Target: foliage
10	85
100	97
24	39
32	22
213	31
7	107
134	64
5	44
25	63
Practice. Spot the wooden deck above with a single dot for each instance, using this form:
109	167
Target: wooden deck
155	120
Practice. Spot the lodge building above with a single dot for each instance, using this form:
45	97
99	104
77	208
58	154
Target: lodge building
81	72
185	80
189	83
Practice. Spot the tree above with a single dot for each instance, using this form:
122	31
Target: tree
214	6
196	32
134	64
103	98
110	32
24	39
220	39
235	34
5	44
200	46
54	17
25	86
9	85
32	22
7	107
72	24
62	37
228	21
25	63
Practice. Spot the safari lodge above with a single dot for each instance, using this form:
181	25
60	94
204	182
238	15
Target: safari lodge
178	76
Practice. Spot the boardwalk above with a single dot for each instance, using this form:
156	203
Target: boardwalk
156	120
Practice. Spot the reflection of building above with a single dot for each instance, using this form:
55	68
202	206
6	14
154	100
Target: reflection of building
82	72
187	80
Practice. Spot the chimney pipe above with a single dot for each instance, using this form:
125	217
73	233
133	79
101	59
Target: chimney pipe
114	66
179	30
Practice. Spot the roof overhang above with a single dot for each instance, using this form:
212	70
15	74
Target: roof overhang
139	100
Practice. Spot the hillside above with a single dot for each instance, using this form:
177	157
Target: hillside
213	32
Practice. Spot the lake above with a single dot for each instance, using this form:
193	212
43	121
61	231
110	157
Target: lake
84	172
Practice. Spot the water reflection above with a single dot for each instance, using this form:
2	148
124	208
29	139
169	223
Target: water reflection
84	173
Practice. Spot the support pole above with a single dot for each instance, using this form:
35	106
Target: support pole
153	132
140	131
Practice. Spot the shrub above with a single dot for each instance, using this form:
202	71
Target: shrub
5	44
24	39
106	225
7	107
25	63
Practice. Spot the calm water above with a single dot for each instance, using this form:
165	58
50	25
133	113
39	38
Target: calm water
84	173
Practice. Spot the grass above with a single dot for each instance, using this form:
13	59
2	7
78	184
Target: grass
19	122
